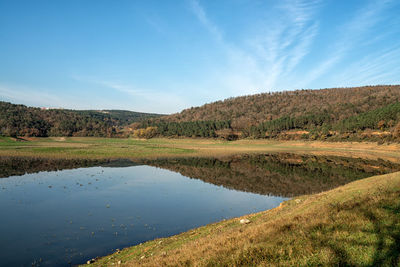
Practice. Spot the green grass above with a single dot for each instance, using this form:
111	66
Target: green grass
354	225
89	148
92	147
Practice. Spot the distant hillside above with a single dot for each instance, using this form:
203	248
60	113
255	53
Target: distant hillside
340	103
315	114
121	117
20	120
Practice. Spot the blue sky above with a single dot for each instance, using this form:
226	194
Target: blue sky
164	56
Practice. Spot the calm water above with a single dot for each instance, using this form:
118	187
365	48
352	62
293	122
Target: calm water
67	217
64	217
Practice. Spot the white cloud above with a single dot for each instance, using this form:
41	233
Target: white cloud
354	35
201	15
271	54
373	69
271	57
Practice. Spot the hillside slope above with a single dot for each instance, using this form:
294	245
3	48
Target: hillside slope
20	120
340	103
357	224
371	112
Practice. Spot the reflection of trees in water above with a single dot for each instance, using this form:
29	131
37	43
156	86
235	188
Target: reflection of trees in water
280	174
20	165
10	166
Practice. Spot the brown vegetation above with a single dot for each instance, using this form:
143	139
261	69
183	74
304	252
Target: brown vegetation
248	110
396	131
147	133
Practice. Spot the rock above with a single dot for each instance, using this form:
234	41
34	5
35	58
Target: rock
297	201
90	261
119	262
244	221
142	257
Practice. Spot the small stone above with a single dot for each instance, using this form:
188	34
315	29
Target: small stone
244	221
90	261
142	257
119	262
297	201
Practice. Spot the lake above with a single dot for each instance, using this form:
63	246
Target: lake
65	212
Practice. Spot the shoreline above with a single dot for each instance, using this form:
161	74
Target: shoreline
214	243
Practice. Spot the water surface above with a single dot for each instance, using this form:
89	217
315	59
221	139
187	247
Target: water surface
67	215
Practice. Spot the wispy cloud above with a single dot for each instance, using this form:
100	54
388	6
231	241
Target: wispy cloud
353	35
201	15
272	53
372	69
271	58
156	23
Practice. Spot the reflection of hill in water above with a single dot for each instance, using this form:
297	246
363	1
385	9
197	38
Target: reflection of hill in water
10	166
279	174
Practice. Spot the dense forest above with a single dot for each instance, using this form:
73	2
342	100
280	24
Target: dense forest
340	103
20	120
281	174
360	113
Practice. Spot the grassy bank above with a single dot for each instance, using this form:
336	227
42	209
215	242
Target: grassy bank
97	148
354	225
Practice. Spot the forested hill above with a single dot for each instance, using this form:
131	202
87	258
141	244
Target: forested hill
20	120
359	113
370	112
339	103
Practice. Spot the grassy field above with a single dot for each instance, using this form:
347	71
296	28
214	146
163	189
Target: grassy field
354	225
79	147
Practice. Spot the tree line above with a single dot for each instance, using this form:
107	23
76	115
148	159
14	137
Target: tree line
320	125
20	120
203	129
251	110
361	113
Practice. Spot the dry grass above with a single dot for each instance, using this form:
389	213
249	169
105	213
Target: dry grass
354	225
80	147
